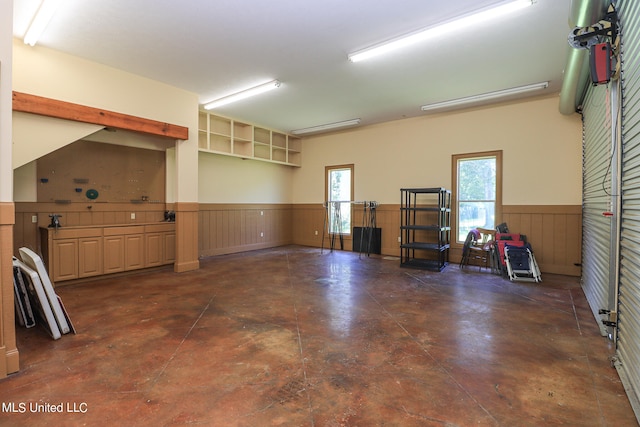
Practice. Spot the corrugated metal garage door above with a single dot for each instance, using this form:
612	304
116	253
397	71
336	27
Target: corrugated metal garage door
596	199
628	336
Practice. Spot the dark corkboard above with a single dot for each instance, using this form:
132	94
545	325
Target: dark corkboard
112	172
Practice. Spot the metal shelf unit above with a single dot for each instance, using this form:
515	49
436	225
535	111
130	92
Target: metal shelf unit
425	228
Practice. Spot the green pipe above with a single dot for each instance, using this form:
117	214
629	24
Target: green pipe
576	71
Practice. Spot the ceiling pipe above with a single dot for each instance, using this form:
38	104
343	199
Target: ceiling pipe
576	71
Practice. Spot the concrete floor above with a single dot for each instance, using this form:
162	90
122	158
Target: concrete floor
295	337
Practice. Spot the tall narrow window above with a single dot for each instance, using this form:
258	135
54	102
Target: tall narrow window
477	185
339	191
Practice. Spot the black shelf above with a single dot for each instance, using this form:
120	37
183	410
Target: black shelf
425	228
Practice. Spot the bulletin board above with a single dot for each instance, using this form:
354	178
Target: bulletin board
87	171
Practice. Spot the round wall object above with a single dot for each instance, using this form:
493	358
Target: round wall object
92	194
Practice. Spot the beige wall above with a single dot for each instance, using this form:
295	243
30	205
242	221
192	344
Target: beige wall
234	180
541	148
48	73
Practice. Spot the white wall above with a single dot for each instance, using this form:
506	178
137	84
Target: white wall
542	154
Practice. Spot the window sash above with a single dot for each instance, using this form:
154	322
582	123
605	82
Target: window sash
488	208
339	214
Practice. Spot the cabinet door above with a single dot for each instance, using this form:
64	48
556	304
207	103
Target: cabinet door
90	256
154	249
113	254
169	248
134	251
65	259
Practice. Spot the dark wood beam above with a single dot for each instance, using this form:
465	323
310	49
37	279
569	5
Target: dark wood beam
33	104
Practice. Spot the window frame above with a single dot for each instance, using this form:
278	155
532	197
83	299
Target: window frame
327	170
455	158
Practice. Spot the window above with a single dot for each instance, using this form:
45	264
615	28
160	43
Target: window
339	191
477	186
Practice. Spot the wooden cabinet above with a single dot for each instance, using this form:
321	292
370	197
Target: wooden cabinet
134	251
154	246
169	251
113	254
222	135
64	261
160	245
90	256
79	252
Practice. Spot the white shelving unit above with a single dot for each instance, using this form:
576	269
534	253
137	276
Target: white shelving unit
229	137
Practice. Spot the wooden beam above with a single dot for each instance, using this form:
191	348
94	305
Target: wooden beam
33	104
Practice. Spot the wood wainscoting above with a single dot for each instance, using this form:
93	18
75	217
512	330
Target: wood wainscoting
25	231
555	234
232	228
309	221
554	231
9	354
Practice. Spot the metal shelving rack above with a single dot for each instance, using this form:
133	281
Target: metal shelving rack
425	227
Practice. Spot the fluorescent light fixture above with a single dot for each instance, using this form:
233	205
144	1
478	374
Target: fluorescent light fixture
256	90
328	126
40	21
485	96
440	29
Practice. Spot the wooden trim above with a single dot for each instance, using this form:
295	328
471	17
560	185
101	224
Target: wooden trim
33	104
350	166
186	237
182	267
7	213
186	207
244	206
9	355
542	209
454	189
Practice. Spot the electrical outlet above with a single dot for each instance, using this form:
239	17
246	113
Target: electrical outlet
261	213
133	215
261	234
34	218
316	232
399	239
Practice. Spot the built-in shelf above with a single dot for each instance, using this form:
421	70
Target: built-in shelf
229	137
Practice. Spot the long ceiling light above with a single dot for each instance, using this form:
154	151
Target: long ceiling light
256	90
485	96
328	126
40	21
440	29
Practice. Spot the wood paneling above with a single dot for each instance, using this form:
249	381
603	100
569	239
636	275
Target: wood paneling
231	228
186	237
310	218
553	231
9	355
25	232
119	174
555	234
388	220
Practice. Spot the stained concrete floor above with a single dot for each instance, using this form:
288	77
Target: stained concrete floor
295	337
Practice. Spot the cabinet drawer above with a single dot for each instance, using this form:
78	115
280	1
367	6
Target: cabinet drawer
115	231
75	233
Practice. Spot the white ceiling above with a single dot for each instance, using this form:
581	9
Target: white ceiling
217	47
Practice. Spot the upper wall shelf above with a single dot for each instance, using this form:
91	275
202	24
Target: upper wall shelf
229	137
